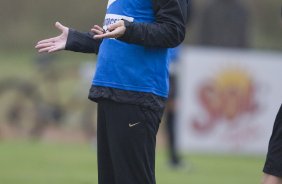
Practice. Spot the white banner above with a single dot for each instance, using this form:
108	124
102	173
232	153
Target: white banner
228	100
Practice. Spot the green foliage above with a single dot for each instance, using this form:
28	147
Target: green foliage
45	163
265	25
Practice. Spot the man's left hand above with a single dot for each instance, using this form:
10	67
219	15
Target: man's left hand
115	30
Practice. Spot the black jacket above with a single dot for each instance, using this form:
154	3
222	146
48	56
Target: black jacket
167	31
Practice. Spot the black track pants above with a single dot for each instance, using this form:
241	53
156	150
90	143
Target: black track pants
126	143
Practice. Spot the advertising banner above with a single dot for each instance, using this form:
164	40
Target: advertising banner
228	100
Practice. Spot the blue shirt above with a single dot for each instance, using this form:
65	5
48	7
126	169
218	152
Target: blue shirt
128	66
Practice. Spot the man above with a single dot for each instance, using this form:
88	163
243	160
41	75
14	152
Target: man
130	83
273	164
170	120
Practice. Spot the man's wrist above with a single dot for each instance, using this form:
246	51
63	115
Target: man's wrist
126	35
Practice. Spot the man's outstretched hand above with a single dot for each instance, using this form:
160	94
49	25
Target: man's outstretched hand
56	43
115	30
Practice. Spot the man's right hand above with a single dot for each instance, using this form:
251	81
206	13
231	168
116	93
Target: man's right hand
56	43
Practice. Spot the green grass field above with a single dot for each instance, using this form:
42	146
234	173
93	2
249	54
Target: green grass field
50	163
23	162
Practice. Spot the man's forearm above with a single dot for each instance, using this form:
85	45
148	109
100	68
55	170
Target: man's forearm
82	42
153	34
167	31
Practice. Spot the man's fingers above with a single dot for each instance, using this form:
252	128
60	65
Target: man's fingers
98	32
113	34
43	45
47	40
115	25
115	30
106	35
54	43
99	28
46	49
60	26
54	49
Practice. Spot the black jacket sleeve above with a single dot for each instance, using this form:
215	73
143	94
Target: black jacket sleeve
82	42
167	31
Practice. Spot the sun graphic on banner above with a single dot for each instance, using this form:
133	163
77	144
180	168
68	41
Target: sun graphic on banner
229	95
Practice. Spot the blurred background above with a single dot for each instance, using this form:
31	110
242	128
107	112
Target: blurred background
227	95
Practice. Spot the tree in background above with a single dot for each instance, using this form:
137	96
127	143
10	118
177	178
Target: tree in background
225	23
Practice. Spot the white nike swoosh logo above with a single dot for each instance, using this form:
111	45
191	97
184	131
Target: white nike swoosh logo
132	125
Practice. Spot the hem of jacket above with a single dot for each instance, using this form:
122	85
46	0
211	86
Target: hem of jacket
131	88
146	100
